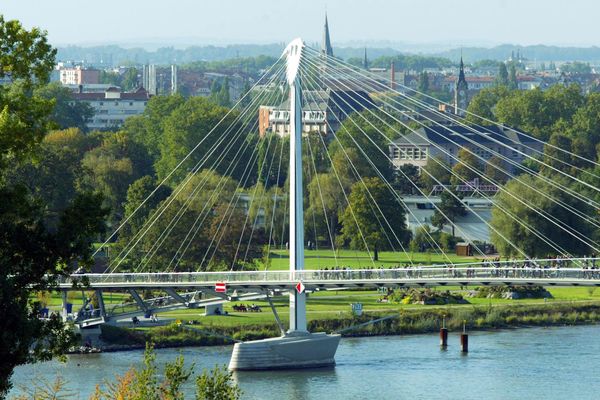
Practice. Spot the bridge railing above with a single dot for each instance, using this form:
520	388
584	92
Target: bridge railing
478	271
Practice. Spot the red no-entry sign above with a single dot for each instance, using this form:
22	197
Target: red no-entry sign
220	287
300	287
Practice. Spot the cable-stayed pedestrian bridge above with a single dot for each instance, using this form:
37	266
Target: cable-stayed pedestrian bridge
481	274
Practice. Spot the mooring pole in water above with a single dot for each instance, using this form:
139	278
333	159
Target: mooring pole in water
464	339
443	334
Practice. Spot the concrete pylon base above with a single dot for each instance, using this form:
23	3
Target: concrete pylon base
291	351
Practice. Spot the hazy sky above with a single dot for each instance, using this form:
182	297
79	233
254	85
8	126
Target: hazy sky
453	22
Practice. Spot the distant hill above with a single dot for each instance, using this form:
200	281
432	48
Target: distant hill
538	52
116	55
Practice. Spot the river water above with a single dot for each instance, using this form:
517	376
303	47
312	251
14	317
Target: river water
534	363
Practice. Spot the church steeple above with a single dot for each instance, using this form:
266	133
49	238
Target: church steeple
366	60
461	99
326	45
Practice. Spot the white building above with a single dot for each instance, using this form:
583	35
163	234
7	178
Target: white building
113	107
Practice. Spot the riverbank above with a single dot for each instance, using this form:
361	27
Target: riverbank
402	322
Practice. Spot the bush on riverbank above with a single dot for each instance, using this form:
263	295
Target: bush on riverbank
511	292
426	297
406	322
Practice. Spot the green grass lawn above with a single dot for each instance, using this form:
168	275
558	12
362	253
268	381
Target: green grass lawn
331	304
317	259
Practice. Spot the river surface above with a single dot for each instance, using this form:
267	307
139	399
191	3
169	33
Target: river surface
534	363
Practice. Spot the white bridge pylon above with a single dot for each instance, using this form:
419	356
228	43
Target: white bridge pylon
293	54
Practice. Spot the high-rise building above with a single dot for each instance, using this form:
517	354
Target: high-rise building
173	79
149	78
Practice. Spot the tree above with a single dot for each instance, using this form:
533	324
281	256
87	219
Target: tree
436	172
482	106
502	78
449	208
187	128
423	85
32	257
52	176
468	167
513	83
517	222
405	179
148	129
136	211
112	167
494	170
129	79
66	113
217	384
326	203
177	232
27	59
219	93
236	242
32	254
360	132
375	216
537	112
144	384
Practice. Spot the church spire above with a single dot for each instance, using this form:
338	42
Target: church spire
461	72
326	45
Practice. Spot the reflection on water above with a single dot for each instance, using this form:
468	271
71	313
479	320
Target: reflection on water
549	363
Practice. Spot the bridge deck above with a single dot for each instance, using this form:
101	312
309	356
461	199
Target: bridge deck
314	279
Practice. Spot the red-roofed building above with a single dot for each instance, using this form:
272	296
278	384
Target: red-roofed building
113	106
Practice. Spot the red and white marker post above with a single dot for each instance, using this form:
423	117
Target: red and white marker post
220	287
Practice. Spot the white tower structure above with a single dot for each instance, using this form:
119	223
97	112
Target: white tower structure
296	242
173	79
296	348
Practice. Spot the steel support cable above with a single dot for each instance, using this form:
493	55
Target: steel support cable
243	181
477	172
438	182
231	214
399	198
215	193
430	239
358	177
262	198
185	158
559	186
551	218
347	201
355	172
254	196
181	186
437	112
377	81
316	176
271	226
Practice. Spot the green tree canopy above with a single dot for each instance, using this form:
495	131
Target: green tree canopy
516	226
33	254
66	113
448	210
187	128
364	222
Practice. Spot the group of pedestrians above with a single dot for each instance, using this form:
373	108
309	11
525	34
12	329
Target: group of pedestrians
561	266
